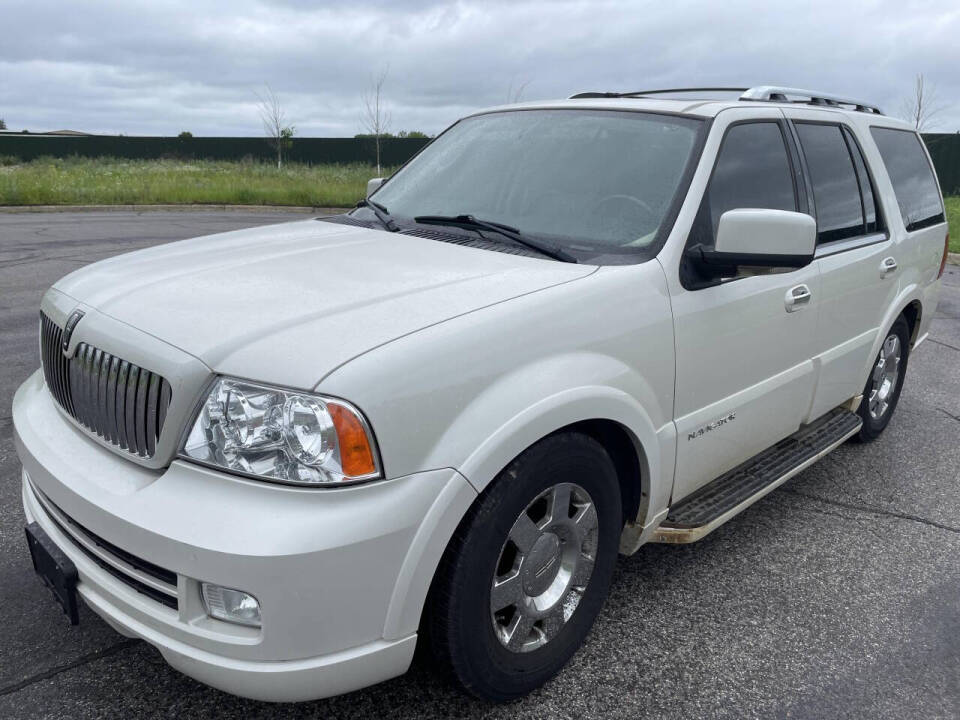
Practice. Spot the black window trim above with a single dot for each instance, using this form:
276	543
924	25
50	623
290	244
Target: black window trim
793	155
883	227
804	170
846	134
933	220
832	247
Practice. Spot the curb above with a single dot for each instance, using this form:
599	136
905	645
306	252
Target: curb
168	208
953	258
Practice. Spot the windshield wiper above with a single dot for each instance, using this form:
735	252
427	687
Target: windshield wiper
469	221
381	212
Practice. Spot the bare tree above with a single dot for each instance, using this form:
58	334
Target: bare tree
515	92
376	116
279	134
923	105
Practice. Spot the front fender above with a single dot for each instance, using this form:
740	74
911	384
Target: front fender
534	401
515	424
473	392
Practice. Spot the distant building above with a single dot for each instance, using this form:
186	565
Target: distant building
70	133
65	132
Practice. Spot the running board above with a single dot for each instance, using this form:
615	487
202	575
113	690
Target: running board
736	490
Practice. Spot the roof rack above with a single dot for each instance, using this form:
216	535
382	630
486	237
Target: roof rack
771	93
639	93
763	93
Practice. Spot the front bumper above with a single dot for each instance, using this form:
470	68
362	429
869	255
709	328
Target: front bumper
341	574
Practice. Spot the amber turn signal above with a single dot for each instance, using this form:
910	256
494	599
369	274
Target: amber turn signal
356	455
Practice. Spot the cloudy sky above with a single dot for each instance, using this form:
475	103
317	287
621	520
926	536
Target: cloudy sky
159	67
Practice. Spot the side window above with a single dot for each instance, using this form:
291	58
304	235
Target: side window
870	211
752	171
836	192
911	175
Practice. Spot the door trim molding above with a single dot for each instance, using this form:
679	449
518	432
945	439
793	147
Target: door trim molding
851	244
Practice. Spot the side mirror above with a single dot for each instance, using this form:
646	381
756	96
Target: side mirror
372	185
758	238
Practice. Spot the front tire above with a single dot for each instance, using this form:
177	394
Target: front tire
528	570
882	391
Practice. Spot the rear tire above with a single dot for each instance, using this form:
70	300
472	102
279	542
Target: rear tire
882	391
528	569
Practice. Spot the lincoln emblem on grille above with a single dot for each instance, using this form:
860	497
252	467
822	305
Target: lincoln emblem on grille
72	321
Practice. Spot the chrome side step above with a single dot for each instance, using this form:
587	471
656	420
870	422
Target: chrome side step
733	492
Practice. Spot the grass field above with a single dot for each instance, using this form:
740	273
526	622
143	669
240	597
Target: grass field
107	181
953	218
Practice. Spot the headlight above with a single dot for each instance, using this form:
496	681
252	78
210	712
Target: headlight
282	435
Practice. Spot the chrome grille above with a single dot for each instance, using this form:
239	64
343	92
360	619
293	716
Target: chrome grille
123	403
55	365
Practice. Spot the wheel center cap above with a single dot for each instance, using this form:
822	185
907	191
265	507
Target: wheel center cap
542	565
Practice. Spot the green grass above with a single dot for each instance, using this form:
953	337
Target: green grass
111	181
953	219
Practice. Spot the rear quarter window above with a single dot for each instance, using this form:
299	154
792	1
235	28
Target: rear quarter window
912	178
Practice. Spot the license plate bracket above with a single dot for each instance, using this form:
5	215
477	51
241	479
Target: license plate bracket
55	569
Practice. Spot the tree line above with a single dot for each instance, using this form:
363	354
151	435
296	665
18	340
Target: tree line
920	109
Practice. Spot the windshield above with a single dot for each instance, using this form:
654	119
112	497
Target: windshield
596	183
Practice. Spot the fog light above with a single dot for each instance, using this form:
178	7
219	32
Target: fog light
233	606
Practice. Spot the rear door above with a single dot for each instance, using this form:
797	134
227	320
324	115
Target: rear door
857	260
743	350
916	212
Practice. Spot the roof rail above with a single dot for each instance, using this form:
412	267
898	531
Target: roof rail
638	93
770	93
763	93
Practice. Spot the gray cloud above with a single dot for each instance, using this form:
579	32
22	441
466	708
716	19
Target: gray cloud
165	66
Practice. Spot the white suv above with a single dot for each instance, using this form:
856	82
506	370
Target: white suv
562	330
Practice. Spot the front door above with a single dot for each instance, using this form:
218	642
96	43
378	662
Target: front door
744	347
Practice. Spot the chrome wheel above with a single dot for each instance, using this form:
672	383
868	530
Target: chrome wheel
886	374
544	567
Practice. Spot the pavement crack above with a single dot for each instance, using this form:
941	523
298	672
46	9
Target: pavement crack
946	345
80	661
874	510
858	499
949	414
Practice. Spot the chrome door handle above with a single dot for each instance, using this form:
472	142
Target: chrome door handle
797	298
888	266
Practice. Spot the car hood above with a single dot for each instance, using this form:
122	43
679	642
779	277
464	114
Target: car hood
289	303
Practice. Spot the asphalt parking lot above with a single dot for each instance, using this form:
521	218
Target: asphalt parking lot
837	596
